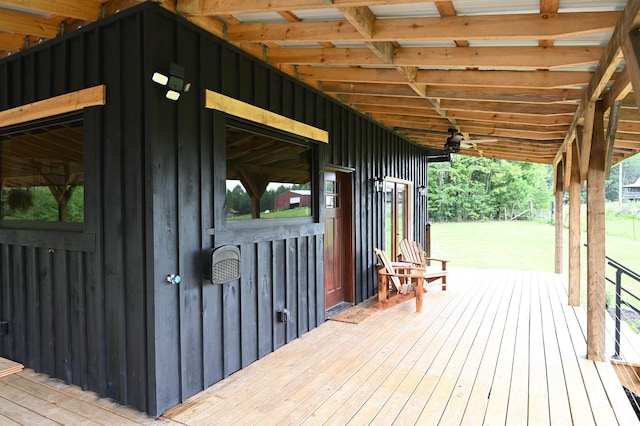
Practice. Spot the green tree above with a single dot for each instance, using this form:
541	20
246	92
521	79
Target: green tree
630	173
475	188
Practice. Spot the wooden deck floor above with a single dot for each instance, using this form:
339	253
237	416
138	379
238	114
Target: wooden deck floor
497	347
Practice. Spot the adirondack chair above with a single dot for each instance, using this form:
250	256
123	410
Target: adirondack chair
412	252
398	282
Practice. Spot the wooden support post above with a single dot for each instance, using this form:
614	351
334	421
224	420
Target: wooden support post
559	217
575	188
596	283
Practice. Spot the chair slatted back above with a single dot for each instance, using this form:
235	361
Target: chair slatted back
412	252
384	260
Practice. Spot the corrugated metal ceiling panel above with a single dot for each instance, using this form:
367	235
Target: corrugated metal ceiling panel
496	7
405	10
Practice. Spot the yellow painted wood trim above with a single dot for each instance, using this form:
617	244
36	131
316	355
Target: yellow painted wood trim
247	111
62	104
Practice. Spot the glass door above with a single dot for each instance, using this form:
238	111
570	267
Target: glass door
396	213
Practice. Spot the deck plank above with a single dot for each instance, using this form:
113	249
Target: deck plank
475	376
559	408
498	347
434	317
452	334
42	405
376	403
581	412
518	406
498	399
399	406
600	372
477	327
538	409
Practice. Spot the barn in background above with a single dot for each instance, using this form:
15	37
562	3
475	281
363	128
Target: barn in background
138	121
293	199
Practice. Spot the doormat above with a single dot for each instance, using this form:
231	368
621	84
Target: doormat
353	315
9	367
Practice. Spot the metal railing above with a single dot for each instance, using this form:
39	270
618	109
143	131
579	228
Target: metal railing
620	271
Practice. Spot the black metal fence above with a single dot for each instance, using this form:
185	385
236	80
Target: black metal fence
630	297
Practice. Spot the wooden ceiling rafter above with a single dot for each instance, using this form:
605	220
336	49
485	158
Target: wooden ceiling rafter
507	70
607	65
431	29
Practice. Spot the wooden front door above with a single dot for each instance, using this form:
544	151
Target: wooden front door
338	256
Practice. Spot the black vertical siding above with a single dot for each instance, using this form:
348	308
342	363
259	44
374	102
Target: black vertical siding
93	307
75	300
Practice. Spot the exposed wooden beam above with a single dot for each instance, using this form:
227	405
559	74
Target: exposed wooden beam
629	114
487	129
446	8
247	111
483	132
20	23
606	67
363	19
214	7
511	79
587	137
464	105
83	10
486	27
575	190
559	216
62	104
209	24
494	57
548	7
11	42
631	51
480	116
620	89
445	92
612	129
596	282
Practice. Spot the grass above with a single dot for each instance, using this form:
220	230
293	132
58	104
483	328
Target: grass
530	246
296	212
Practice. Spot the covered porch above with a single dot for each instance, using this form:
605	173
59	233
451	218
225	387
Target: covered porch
498	347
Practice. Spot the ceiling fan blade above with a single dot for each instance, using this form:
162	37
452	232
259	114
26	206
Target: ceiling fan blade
482	140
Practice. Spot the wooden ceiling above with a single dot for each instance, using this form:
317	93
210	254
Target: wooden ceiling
524	72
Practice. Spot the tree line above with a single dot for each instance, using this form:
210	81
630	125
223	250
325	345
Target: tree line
476	188
239	201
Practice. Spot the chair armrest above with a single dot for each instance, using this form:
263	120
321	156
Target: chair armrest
419	274
437	260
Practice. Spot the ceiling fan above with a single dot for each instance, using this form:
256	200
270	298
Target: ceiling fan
457	140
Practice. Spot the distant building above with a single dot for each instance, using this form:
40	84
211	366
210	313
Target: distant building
632	191
293	198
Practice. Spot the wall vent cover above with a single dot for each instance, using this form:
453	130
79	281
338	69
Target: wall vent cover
225	264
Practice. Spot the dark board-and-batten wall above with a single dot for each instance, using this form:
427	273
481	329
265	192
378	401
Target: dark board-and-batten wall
92	306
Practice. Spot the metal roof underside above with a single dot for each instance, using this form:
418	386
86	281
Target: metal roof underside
512	75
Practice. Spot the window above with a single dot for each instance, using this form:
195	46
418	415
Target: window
397	213
42	172
268	173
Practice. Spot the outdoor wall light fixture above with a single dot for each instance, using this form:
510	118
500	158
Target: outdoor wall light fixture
174	81
378	184
422	191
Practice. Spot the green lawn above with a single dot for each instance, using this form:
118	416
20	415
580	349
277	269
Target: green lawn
528	246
